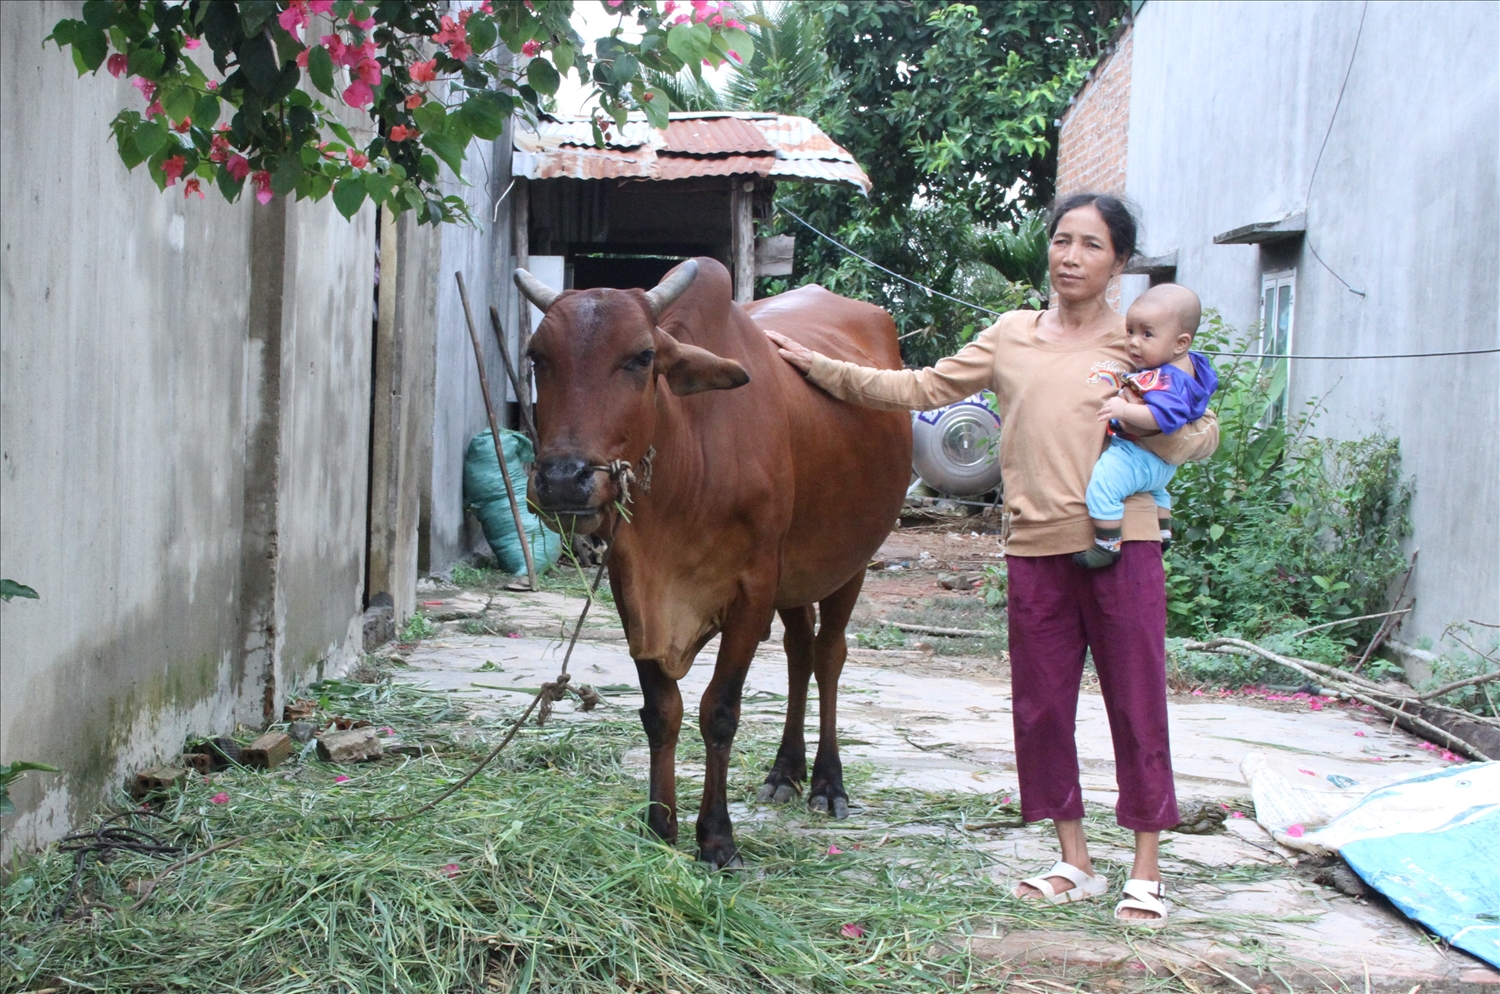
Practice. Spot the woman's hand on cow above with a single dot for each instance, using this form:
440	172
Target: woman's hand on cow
799	356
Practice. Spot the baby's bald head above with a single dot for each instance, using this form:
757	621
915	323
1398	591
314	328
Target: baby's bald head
1178	301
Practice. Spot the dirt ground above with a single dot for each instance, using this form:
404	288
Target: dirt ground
931	714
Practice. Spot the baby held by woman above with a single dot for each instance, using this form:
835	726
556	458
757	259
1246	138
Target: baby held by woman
1170	388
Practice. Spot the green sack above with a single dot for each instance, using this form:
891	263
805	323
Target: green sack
484	493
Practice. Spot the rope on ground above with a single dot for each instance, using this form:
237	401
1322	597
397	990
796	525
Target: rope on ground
1237	355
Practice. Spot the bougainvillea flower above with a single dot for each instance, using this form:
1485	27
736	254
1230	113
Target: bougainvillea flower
614	3
1360	734
735	55
219	798
449	870
414	101
238	167
302	58
213	84
486	7
424	72
155	109
852	931
668	7
1296	831
116	64
320	6
453	35
335	46
1236	814
191	43
191	187
147	88
262	181
358	159
369	72
401	132
364	25
531	48
218	148
717	21
184	126
342	778
359	94
293	18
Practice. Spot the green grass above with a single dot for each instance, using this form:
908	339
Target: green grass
537	876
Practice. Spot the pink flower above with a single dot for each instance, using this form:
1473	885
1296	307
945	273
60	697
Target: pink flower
191	43
359	94
219	798
531	48
1315	705
1224	806
155	109
302	57
414	101
668	7
1236	814
835	851
335	46
1296	831
294	17
183	126
735	55
1197	693
424	72
173	168
486	7
512	635
454	36
262	181
717	21
364	25
449	870
369	72
117	64
401	132
147	88
732	23
358	160
239	167
213	84
387	730
192	186
341	778
614	3
1360	734
320	6
852	931
1005	799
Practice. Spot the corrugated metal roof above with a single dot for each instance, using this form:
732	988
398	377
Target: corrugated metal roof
699	144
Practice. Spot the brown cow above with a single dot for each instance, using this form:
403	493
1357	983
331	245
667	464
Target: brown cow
765	495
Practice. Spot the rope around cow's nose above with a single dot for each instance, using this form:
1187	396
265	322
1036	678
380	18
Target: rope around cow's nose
623	473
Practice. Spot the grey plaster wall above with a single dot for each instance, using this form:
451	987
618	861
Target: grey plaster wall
1231	104
184	404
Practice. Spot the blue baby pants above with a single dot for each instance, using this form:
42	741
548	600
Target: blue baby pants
1124	469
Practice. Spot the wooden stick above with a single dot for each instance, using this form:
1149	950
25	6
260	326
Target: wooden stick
1459	684
1345	621
1389	624
523	400
933	630
489	408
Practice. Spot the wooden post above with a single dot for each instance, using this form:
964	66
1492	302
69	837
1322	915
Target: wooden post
742	237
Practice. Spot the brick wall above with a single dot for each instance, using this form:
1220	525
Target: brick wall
1092	147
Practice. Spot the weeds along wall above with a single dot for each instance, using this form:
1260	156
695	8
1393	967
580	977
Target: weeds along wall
184	416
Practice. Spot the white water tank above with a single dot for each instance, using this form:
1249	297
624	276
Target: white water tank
956	449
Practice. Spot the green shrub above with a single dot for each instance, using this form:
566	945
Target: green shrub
1280	531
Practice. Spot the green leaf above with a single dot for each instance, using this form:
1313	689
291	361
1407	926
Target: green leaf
481	34
206	111
542	76
448	149
680	43
129	153
740	42
228	185
178	102
349	194
258	62
145	62
151	137
10	588
10	771
483	115
341	131
564	57
320	68
1215	532
380	187
90	46
99	14
430	116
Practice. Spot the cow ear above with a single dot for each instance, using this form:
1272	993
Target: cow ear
689	369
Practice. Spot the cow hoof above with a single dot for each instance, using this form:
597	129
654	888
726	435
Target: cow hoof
838	806
720	862
818	803
778	789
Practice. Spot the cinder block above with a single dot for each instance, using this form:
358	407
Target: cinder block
268	751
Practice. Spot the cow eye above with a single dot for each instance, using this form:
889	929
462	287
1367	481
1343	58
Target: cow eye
641	361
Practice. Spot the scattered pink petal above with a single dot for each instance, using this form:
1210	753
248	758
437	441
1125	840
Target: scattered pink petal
614	3
512	635
1315	705
342	778
219	798
1197	693
387	730
449	870
835	851
852	931
1378	759
1005	799
1450	757
1295	831
1236	814
1308	772
1223	805
1360	734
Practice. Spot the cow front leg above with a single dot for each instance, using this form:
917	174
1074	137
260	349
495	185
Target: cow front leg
830	649
784	781
719	719
662	718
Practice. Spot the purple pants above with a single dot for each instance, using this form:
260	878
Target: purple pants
1120	612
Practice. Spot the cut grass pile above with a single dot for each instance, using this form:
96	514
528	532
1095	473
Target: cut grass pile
535	877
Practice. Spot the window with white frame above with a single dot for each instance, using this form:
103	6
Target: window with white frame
1276	293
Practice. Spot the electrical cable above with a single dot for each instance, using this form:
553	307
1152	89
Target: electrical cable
1307	197
1241	355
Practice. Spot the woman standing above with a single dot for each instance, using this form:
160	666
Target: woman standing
1052	371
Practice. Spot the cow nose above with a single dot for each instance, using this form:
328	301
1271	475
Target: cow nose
565	483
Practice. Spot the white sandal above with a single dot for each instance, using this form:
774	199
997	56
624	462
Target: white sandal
1084	886
1144	895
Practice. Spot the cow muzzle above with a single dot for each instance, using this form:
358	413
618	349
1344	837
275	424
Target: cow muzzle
570	491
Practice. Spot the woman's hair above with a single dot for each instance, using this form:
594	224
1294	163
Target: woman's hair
1118	217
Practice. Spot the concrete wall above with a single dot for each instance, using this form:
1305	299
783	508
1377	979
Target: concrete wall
184	408
1230	106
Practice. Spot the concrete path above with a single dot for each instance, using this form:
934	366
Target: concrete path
923	722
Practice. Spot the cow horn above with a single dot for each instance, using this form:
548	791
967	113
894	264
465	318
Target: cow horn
539	293
672	287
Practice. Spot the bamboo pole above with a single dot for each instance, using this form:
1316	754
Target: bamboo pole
523	401
489	408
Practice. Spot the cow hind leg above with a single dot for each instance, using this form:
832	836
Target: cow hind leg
787	773
719	719
662	719
830	649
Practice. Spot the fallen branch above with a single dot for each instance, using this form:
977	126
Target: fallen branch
958	633
150	885
1459	684
1340	684
1346	621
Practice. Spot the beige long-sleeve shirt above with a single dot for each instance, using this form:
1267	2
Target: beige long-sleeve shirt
1049	397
